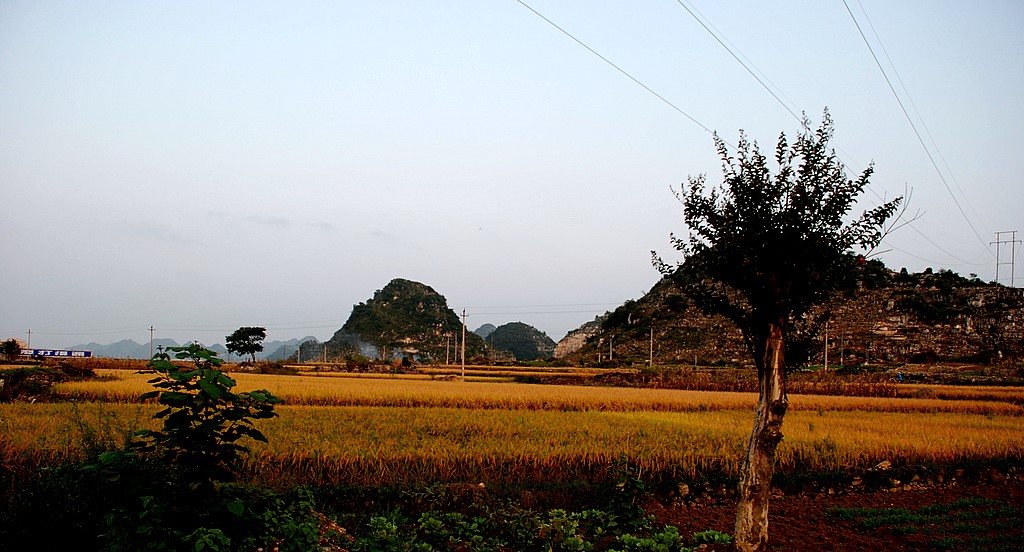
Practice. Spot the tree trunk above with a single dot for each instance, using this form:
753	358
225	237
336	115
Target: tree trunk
751	530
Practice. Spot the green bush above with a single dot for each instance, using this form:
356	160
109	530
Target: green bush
203	419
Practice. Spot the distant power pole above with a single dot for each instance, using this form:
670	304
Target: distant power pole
650	361
151	342
463	344
29	345
826	346
1013	241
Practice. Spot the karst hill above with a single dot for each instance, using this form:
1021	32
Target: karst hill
522	341
412	320
405	318
891	317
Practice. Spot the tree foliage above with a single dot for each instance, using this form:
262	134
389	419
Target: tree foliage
10	349
764	248
247	340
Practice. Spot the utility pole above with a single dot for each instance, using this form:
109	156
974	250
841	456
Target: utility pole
463	345
826	346
1013	241
650	361
447	348
29	346
842	348
151	342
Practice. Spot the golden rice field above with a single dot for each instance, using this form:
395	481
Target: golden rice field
309	390
401	430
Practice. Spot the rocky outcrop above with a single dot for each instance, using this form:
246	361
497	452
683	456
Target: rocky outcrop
576	339
890	318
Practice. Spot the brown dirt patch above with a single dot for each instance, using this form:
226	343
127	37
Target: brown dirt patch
801	522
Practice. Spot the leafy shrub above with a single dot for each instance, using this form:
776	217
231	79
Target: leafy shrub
180	498
204	419
33	382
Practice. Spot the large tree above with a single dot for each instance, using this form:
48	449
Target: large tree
247	340
764	248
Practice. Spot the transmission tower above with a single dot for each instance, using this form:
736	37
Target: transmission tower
1013	241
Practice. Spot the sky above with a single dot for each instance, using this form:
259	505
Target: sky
197	166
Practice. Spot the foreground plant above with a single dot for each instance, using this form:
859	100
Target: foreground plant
179	476
204	420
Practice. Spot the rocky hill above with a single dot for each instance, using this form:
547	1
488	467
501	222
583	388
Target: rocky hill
576	339
892	317
522	341
404	319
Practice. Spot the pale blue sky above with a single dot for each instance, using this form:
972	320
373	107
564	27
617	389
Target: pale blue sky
197	166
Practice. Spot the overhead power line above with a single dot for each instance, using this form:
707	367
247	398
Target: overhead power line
927	132
758	74
617	68
910	120
778	95
736	55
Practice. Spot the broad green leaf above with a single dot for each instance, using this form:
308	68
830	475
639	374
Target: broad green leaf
236	507
210	388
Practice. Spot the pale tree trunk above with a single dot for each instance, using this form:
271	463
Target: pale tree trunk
751	530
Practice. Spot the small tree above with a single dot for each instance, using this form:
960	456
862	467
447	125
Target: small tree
247	340
10	349
203	419
763	250
177	494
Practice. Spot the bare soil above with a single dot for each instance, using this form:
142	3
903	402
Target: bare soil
802	522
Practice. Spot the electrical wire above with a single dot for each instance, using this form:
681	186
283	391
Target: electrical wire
760	77
708	27
910	120
617	68
927	132
747	65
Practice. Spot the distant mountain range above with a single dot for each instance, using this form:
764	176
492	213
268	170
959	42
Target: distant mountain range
405	319
127	348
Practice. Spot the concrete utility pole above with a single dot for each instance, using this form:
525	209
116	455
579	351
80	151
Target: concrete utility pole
1013	241
842	349
29	345
826	346
151	342
650	361
463	345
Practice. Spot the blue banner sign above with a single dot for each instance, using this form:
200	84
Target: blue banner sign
55	353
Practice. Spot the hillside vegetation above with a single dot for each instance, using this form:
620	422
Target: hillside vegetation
892	317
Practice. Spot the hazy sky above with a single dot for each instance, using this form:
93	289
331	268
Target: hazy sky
198	166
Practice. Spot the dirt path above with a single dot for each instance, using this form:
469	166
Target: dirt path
803	523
